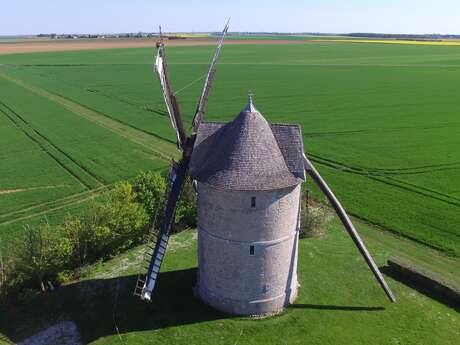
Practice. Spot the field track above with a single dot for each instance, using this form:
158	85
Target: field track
93	184
73	168
51	206
160	146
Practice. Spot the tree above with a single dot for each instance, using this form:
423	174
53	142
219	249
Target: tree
186	212
78	231
41	254
4	274
150	188
118	221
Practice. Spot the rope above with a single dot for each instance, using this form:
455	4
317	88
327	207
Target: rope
190	84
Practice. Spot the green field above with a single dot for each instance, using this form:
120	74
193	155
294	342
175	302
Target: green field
380	121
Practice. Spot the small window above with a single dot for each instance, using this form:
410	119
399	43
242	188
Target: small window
251	250
253	202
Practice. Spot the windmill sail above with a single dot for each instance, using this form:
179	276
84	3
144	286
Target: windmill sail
176	181
201	108
310	169
178	172
172	106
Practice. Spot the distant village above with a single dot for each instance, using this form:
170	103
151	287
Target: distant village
183	35
82	36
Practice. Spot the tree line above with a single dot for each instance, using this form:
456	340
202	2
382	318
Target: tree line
48	255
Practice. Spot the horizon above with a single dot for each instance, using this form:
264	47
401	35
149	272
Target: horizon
293	16
234	33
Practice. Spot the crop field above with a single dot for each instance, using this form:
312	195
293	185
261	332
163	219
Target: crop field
381	122
402	41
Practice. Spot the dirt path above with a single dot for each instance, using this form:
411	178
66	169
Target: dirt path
18	190
90	44
9	191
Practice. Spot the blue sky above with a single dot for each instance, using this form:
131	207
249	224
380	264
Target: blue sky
98	16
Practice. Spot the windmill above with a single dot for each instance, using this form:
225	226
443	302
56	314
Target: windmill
248	174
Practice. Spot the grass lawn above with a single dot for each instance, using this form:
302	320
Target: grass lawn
339	302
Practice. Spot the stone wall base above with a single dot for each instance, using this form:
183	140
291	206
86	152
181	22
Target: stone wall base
264	307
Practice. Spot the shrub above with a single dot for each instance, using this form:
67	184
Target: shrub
186	212
150	188
27	295
65	276
314	216
78	231
41	254
5	277
117	222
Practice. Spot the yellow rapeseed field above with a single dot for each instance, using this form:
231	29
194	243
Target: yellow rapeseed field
383	41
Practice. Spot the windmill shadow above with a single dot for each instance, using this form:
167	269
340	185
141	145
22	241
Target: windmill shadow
334	307
99	306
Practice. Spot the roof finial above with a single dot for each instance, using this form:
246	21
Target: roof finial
250	108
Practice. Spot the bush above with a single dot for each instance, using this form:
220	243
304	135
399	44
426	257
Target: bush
117	222
27	295
78	231
150	188
186	212
5	277
41	255
314	216
65	276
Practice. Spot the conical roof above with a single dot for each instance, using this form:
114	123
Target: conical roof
243	155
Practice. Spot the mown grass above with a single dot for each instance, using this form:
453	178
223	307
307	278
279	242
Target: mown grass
339	302
380	121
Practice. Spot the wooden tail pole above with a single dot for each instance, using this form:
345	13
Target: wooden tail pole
310	169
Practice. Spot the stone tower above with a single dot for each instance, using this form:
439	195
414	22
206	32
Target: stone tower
248	175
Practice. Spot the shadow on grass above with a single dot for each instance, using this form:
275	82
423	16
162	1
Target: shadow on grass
430	291
98	306
334	307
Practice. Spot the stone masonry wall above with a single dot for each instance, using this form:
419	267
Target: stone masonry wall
247	256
